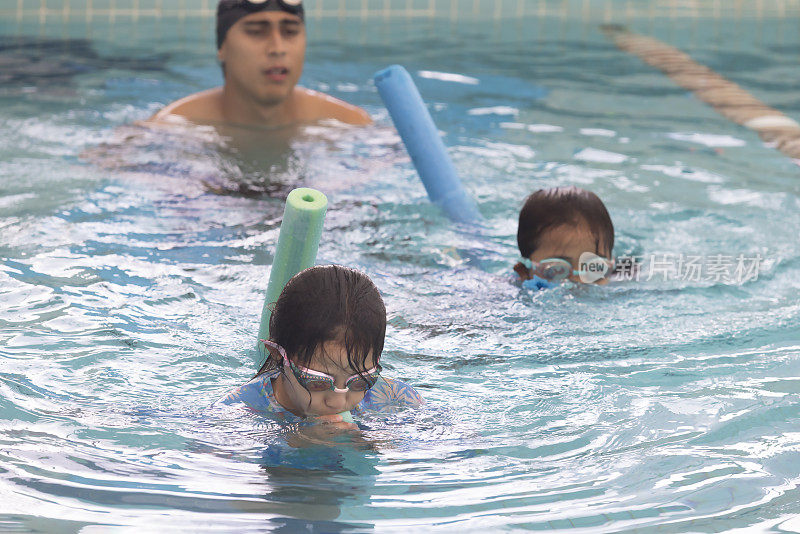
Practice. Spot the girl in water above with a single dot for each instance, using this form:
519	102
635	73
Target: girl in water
323	352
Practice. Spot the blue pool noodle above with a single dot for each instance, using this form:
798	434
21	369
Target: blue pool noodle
424	144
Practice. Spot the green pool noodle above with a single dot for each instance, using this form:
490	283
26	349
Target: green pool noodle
347	417
297	247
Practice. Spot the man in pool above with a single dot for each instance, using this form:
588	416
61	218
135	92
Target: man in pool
261	47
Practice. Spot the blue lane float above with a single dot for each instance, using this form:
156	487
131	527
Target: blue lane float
424	144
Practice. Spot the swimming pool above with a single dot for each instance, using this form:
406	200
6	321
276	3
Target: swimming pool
130	295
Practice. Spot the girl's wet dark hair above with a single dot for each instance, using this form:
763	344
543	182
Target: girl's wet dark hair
328	303
549	208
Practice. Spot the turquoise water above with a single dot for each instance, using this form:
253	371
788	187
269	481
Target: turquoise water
130	294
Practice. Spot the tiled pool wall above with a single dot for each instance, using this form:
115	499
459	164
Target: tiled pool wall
684	23
596	10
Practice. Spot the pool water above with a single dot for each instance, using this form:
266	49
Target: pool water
135	263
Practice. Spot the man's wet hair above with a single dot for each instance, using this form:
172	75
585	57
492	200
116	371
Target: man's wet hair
557	206
230	11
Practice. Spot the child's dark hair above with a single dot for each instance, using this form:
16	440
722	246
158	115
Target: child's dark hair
549	208
328	303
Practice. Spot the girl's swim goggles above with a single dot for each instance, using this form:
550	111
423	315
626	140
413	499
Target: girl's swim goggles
316	381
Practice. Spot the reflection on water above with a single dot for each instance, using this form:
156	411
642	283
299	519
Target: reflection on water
52	64
135	261
202	157
247	161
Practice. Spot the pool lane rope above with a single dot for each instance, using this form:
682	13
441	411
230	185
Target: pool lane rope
424	144
298	242
726	97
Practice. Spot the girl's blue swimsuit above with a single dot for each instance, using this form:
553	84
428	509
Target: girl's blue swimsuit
258	396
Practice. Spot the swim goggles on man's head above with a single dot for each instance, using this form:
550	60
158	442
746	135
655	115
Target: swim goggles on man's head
316	381
292	6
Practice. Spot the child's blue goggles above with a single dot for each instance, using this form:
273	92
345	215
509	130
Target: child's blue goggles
552	271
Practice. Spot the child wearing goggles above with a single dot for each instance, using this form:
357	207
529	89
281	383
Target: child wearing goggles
322	357
564	233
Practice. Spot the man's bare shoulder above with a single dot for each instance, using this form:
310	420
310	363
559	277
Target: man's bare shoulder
306	106
205	106
316	106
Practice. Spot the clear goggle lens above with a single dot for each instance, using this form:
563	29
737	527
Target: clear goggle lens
316	385
553	270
